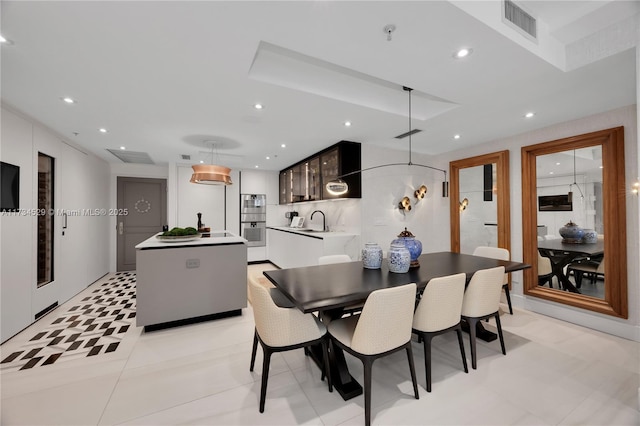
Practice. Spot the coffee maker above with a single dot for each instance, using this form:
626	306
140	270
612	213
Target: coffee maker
291	215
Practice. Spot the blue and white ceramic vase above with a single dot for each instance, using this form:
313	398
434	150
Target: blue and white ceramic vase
414	246
372	256
571	233
399	258
590	236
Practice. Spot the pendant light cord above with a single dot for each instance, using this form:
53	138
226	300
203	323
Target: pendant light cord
574	176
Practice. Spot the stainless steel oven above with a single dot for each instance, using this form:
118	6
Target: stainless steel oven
253	219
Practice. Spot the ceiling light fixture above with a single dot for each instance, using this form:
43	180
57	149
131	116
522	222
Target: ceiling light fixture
347	124
102	130
570	194
68	100
211	174
388	29
283	146
4	40
338	186
258	106
456	136
122	148
463	53
267	157
529	114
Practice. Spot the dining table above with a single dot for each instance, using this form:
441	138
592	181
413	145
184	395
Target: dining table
328	289
562	254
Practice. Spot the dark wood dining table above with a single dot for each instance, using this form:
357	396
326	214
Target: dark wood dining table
561	254
328	289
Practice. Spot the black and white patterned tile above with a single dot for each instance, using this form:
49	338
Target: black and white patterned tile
95	325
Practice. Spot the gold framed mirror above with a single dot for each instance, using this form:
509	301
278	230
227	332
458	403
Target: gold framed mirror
499	188
610	143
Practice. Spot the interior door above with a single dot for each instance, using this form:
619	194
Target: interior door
143	202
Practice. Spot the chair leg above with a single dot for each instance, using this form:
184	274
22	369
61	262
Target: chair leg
499	326
368	364
255	348
472	340
427	361
265	377
578	277
506	292
412	368
464	356
327	368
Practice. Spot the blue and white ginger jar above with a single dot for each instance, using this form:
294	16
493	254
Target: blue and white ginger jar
372	256
414	246
399	258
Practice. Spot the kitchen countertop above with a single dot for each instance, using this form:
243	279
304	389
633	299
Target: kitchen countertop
216	238
308	232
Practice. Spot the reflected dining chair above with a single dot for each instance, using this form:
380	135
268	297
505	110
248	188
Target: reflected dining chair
438	312
283	329
383	327
593	270
545	273
482	301
502	254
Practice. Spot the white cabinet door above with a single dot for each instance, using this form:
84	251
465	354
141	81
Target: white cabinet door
288	250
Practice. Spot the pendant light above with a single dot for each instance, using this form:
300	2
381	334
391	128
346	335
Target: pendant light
211	174
338	186
570	194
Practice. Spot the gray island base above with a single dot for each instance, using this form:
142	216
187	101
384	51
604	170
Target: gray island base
184	282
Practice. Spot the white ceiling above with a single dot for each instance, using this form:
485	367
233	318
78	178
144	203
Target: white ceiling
163	77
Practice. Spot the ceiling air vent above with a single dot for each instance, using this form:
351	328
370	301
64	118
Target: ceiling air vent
410	132
520	19
186	157
132	156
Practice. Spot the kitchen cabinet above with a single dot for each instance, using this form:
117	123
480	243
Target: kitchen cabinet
306	180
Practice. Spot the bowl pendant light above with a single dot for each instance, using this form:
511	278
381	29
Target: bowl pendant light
211	174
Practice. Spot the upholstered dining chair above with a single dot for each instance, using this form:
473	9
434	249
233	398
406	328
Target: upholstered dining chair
482	301
502	254
282	329
383	327
545	273
438	312
591	268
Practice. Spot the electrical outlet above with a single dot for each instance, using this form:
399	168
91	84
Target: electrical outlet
193	263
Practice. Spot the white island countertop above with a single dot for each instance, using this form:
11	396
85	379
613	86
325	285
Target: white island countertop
313	233
215	238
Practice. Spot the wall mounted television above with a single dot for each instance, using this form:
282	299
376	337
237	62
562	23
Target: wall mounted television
9	187
555	203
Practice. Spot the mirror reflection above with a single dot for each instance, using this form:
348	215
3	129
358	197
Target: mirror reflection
478	207
570	221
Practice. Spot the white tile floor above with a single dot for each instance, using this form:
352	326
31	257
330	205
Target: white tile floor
554	373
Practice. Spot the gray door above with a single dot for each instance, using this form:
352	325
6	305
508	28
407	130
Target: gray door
145	201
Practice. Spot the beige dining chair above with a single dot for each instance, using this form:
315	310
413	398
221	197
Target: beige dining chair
482	301
592	269
545	273
383	327
438	312
283	329
502	254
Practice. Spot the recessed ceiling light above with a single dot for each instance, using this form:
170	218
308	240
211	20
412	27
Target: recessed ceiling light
529	114
69	100
4	40
456	136
550	173
267	157
201	161
557	164
122	148
283	146
347	123
257	166
102	130
258	106
602	167
463	53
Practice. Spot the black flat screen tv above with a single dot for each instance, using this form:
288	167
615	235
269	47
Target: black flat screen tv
9	187
555	203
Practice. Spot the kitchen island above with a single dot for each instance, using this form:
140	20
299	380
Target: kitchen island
180	282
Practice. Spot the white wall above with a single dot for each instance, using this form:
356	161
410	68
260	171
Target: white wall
81	182
626	117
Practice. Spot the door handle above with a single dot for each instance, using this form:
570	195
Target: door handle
120	228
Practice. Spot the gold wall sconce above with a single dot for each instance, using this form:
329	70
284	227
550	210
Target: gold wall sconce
420	192
463	204
405	204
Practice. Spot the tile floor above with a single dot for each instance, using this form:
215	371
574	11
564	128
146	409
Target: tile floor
554	373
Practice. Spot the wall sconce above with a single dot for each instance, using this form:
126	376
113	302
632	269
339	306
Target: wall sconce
463	204
635	187
420	192
405	204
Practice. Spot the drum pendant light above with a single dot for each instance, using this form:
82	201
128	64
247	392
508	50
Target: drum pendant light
211	174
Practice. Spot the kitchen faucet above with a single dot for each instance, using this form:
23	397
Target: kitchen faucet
324	226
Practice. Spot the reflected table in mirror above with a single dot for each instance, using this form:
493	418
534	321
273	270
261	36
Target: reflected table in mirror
562	254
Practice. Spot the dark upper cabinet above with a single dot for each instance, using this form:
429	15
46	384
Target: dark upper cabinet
306	180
